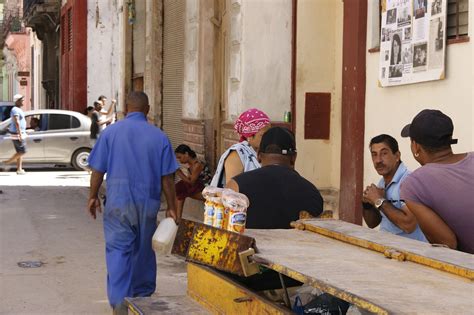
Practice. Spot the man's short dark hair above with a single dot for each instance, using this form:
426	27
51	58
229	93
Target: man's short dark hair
278	140
388	140
101	97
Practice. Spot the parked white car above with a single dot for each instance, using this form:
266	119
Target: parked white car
62	138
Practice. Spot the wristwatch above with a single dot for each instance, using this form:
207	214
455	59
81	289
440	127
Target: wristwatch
379	202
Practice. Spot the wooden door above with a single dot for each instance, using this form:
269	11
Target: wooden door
222	75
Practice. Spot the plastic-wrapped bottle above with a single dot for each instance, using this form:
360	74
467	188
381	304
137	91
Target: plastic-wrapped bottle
164	236
218	216
236	204
209	212
212	196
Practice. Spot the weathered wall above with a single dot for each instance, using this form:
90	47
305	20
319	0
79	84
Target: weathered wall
264	64
198	85
191	85
104	50
39	93
319	69
139	37
199	93
153	58
388	110
18	58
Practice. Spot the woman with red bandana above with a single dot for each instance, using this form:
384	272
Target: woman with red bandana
242	156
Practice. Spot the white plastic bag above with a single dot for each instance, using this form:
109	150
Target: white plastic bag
164	236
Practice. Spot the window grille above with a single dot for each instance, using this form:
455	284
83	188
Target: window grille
458	17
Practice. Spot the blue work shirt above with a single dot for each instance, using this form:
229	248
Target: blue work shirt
16	111
135	155
392	194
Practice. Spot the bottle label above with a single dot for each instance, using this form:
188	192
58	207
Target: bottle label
238	218
208	214
218	217
209	211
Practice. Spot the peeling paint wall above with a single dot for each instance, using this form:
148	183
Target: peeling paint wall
198	85
265	59
258	58
39	93
191	106
104	50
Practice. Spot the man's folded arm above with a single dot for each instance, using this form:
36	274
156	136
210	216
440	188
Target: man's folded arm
434	228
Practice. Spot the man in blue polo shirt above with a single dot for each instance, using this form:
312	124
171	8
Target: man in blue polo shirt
139	162
382	204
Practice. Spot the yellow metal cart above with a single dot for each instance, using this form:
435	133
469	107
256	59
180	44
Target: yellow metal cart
377	272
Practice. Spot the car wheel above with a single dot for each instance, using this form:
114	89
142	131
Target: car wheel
79	159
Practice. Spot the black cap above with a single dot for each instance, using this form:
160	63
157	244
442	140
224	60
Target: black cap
431	128
278	140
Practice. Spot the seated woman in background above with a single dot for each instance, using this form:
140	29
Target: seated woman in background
190	185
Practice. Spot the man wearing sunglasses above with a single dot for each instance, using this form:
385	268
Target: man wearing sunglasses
382	203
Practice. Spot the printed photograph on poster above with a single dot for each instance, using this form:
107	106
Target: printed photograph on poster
407	54
437	30
420	56
419	30
396	71
391	16
436	7
407	33
387	54
436	43
385	35
420	8
395	52
404	16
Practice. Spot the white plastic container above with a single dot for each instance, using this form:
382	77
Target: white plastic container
164	236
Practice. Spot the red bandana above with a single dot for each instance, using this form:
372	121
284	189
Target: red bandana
250	122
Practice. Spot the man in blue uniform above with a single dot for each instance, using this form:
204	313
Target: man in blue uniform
139	161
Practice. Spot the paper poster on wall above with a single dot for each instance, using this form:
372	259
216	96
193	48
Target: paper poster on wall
412	41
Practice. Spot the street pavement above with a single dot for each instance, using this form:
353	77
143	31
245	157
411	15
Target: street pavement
43	218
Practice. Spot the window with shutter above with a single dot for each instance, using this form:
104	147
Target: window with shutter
458	16
64	35
69	29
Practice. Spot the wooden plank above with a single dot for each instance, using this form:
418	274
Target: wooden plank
441	258
164	305
361	276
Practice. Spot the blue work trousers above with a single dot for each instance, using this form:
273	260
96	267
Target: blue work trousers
131	261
